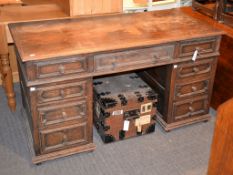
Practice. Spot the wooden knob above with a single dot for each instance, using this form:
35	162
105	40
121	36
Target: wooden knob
156	57
195	69
61	69
62	93
64	115
194	88
191	109
113	64
65	139
82	113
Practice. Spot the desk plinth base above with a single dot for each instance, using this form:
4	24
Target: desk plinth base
168	127
67	152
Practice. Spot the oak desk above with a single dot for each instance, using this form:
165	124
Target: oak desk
58	59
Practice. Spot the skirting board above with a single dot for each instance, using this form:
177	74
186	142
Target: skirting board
168	127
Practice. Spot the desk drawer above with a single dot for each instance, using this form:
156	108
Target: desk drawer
62	138
133	58
190	108
61	91
60	113
203	46
191	70
49	69
188	90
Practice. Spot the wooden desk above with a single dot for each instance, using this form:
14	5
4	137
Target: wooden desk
58	59
10	14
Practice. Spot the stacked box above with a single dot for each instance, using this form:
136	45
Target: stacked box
124	107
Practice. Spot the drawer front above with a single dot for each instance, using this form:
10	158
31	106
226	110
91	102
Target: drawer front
61	91
133	58
58	114
190	108
192	70
191	89
61	67
203	46
62	138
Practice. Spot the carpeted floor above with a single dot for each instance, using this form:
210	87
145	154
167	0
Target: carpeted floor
183	151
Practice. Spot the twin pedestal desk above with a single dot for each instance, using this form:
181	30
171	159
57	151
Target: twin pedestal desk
58	60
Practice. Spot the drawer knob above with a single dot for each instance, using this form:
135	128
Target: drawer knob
198	48
194	88
179	95
155	58
82	113
113	64
61	69
64	139
62	93
64	114
195	69
191	109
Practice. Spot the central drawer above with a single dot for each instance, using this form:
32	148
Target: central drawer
137	58
61	138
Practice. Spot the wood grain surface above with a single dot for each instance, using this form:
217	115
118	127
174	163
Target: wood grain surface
41	40
30	13
8	2
221	159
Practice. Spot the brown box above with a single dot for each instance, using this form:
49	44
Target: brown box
124	107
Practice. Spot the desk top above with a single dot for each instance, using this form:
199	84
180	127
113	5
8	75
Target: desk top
48	39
